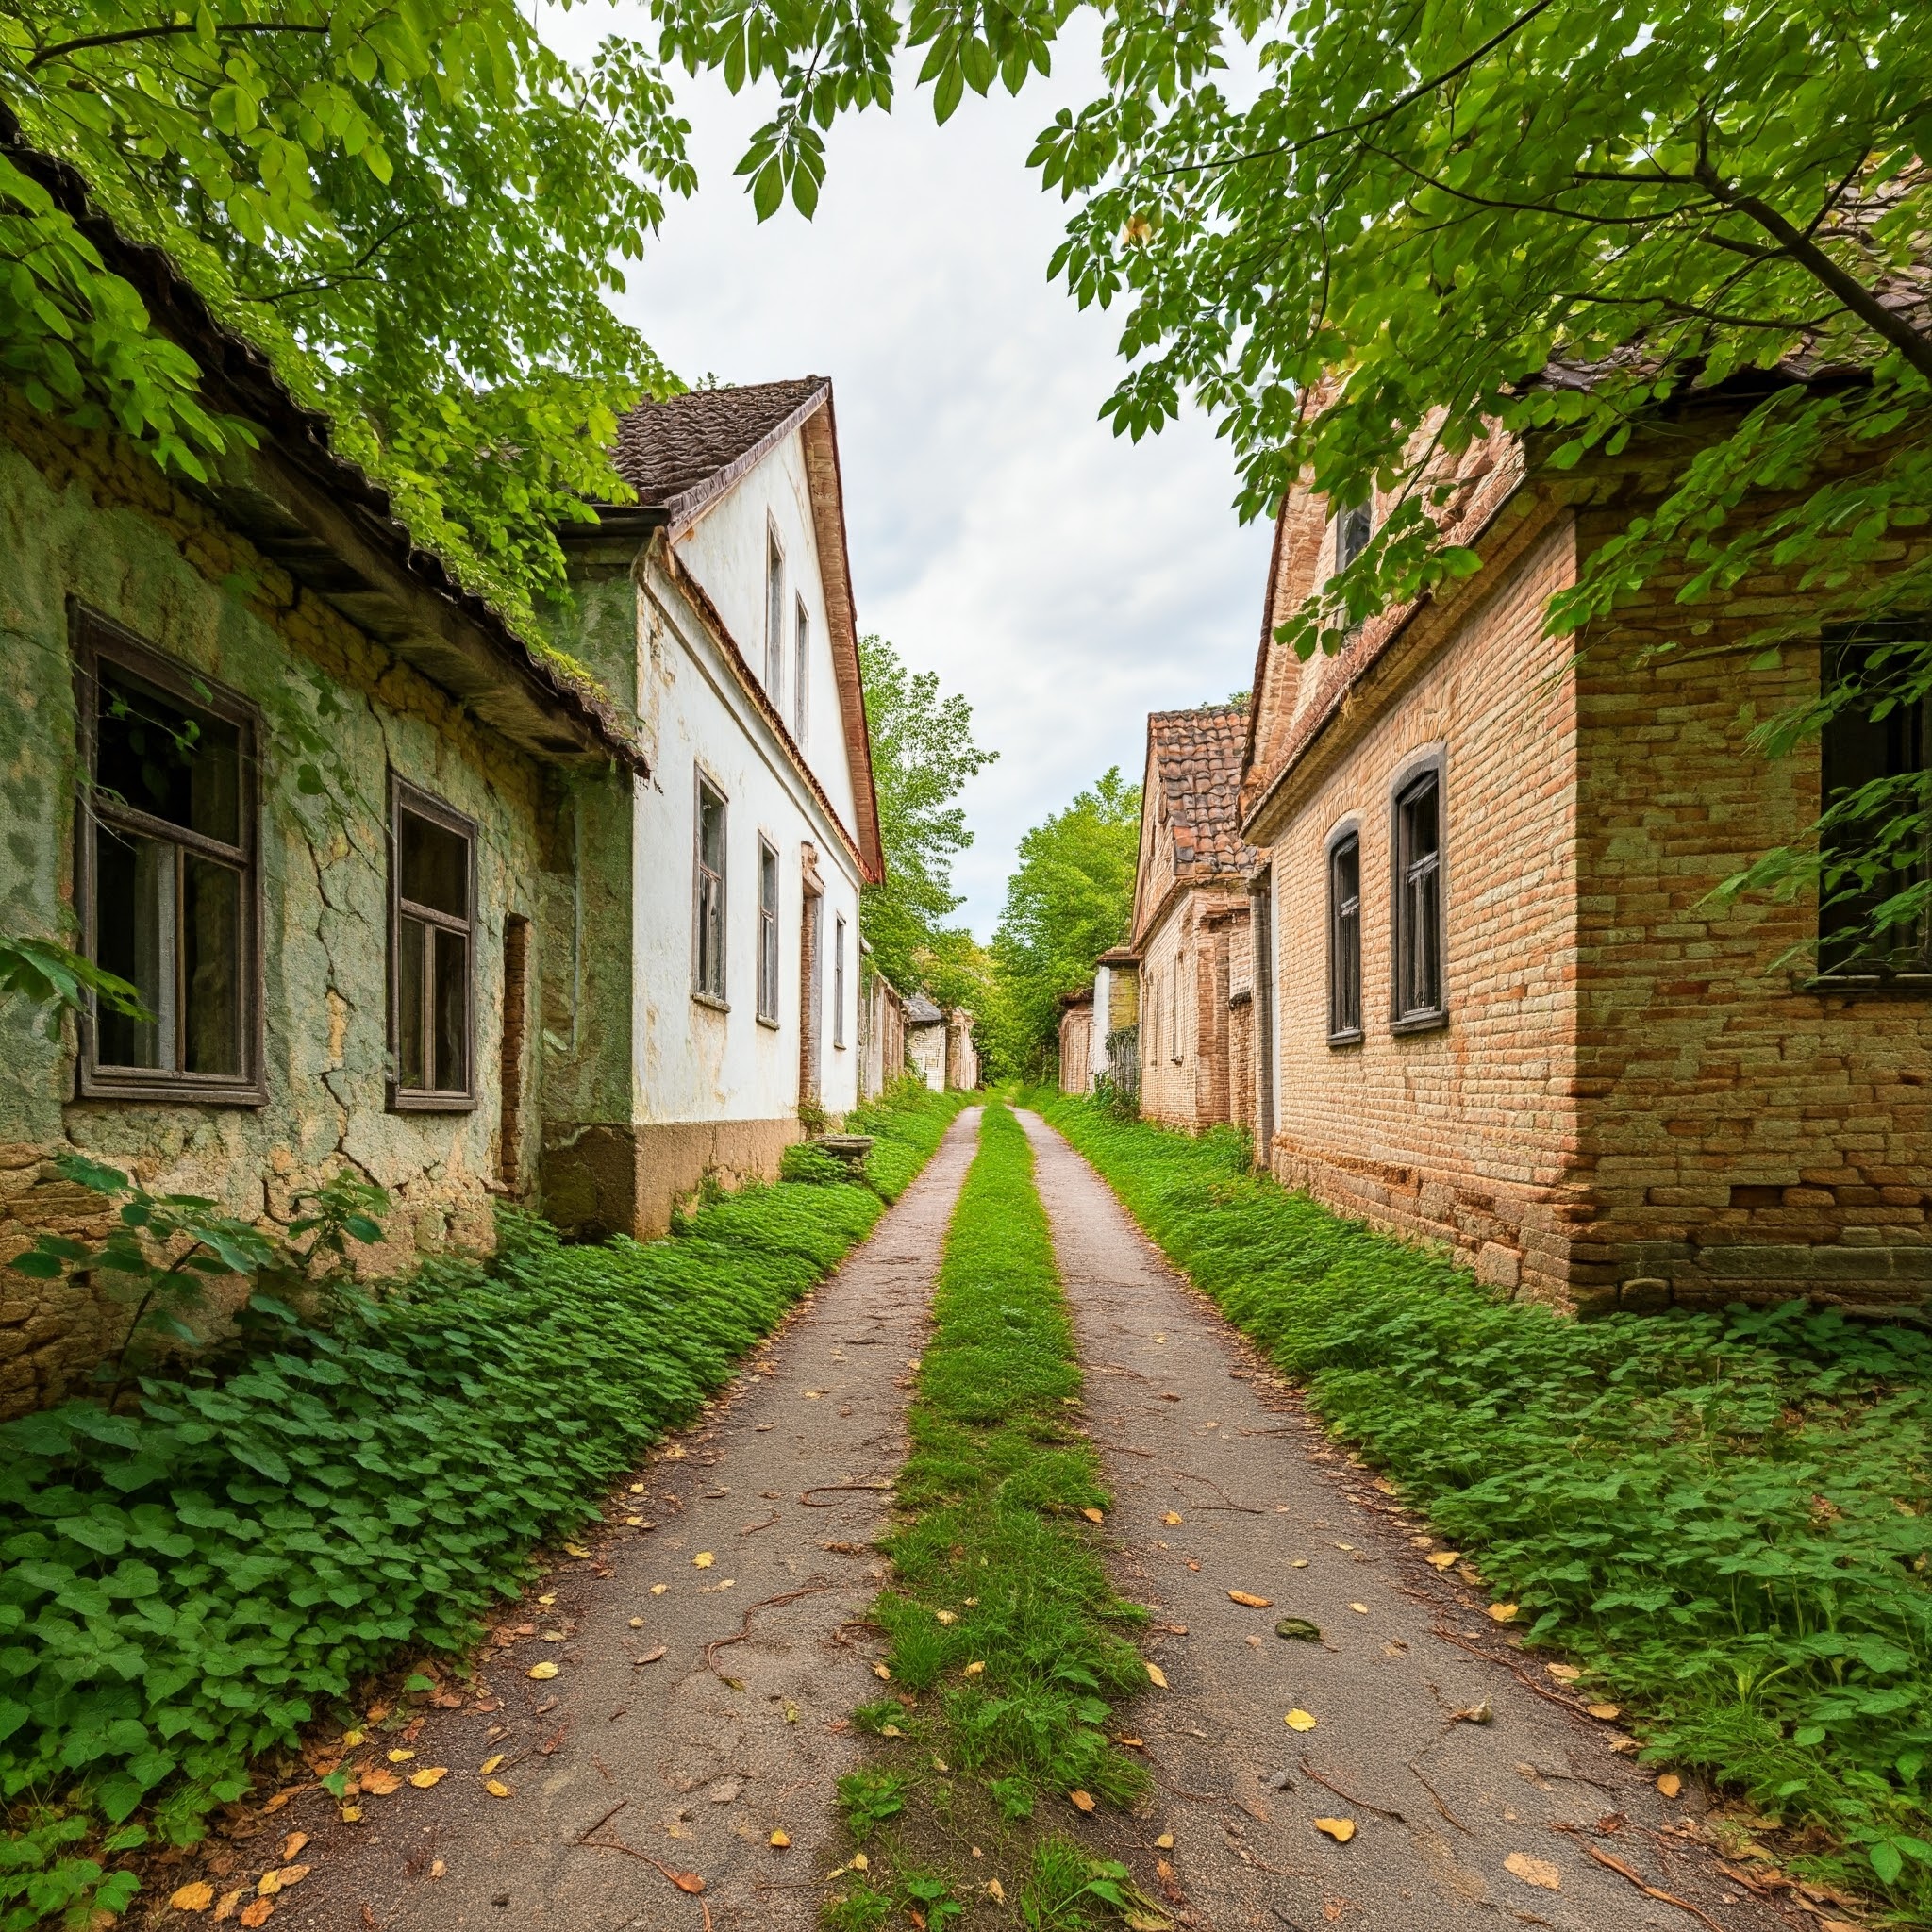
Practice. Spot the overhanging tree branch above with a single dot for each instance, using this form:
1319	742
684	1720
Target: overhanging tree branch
171	28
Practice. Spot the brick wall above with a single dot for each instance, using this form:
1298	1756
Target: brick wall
1466	1135
1186	1041
1740	1133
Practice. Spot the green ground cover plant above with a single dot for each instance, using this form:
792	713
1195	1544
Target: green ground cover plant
1009	1648
193	1574
1725	1515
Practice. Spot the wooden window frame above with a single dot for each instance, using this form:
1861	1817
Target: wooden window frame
1345	1017
768	934
405	796
718	997
94	638
1861	973
838	981
801	693
1428	770
774	619
1352	519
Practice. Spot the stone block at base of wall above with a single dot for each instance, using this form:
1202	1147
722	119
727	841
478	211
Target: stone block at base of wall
626	1178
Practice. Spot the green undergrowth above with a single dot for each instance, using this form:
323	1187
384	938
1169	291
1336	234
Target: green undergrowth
191	1578
1008	1645
1725	1516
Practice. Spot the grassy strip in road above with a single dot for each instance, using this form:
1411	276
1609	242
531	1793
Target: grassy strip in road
186	1583
1007	1646
1728	1518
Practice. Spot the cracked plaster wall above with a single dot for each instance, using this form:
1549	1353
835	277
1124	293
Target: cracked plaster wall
86	516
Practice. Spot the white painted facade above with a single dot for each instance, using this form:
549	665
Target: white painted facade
696	1058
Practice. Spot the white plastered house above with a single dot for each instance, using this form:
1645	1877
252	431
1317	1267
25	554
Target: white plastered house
718	946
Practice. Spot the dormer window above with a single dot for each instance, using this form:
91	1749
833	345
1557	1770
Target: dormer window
1353	529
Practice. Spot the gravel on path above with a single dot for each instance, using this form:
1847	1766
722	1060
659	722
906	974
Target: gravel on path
669	1734
1222	1482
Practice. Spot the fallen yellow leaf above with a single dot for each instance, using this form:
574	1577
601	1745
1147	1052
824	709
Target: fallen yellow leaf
637	1623
703	1560
293	1843
1502	1613
1299	1720
381	1782
497	1787
890	1731
1604	1711
550	1597
1093	1515
1164	1842
575	1550
292	1875
1564	1673
1172	1516
947	1616
490	1764
230	1904
1254	1603
352	1814
1670	1783
1441	1560
258	1911
779	1840
1157	1676
545	1669
1361	1609
659	1589
860	1862
1539	1872
1081	1800
352	1739
996	1891
973	1670
428	1776
400	1756
882	1673
194	1898
639	1488
1340	1829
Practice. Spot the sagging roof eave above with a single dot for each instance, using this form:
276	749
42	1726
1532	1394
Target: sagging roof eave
239	378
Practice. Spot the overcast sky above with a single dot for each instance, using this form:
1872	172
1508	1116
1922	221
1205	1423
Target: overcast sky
1066	581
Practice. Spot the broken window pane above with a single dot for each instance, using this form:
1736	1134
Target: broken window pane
435	865
136	937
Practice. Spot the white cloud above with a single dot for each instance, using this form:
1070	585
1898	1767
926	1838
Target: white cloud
1067	581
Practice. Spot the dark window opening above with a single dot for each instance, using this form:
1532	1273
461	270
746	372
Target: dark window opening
1353	529
1346	940
1419	901
708	964
768	933
1876	754
433	910
167	875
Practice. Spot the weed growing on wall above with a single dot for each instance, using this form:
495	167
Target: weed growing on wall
191	1579
1007	1646
1725	1515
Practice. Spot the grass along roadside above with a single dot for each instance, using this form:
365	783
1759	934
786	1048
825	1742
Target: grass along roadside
1007	1646
1724	1516
191	1580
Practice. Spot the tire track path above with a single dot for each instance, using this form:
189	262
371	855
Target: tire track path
687	1740
1192	1426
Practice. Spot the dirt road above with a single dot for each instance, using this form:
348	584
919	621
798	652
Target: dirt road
1526	1819
668	1733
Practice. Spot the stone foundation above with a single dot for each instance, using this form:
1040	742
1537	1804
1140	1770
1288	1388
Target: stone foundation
601	1179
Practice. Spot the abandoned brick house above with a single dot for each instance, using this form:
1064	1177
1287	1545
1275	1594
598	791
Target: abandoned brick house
1498	1008
1189	932
271	764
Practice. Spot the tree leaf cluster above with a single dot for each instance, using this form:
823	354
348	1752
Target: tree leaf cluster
416	207
1070	899
1725	1515
188	1580
923	757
